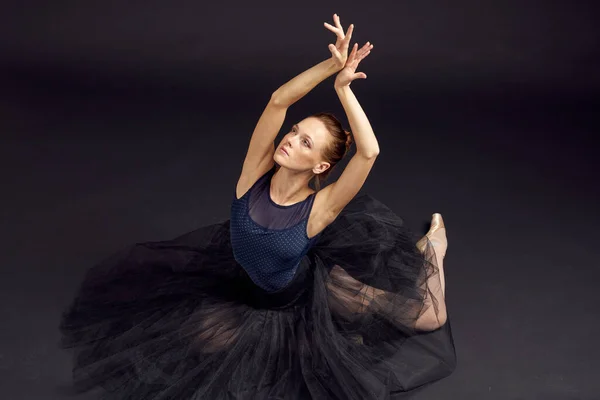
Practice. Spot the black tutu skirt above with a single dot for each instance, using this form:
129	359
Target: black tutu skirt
181	319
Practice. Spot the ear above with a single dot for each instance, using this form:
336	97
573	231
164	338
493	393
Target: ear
321	167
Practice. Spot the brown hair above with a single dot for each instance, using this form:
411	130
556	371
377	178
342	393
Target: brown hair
337	148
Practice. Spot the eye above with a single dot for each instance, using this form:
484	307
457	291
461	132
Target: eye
307	142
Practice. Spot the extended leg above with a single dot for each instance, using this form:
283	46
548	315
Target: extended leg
435	314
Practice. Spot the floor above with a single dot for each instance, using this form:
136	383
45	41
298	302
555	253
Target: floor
516	184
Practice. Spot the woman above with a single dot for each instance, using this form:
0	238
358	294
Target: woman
301	294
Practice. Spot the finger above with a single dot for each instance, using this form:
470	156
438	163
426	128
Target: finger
365	50
349	33
367	46
365	56
360	52
353	52
359	59
334	51
336	20
337	31
346	40
331	27
359	75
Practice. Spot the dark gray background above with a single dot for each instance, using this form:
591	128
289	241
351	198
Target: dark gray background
123	122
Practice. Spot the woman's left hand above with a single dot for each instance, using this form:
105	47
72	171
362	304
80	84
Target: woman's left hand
348	73
339	51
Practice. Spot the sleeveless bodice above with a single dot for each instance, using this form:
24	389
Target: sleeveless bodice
268	239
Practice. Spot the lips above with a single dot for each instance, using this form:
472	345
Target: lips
282	149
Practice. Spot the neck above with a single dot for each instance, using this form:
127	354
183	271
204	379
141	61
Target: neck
288	186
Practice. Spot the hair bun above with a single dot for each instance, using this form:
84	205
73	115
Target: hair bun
348	139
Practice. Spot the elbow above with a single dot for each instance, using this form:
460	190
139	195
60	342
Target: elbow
276	100
371	154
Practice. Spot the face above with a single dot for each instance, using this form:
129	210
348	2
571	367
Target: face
304	144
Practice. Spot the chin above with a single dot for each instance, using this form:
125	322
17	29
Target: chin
279	158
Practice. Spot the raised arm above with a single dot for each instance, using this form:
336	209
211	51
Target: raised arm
261	148
338	194
262	144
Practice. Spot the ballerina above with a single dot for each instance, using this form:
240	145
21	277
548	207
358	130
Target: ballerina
301	294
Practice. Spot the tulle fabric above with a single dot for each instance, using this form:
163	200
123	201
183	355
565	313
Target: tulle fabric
180	319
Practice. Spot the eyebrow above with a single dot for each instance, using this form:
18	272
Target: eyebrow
297	127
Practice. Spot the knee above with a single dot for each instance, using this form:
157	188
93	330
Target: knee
431	321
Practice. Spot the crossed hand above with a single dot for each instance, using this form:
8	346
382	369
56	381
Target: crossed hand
339	54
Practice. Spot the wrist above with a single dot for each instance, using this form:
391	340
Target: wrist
332	66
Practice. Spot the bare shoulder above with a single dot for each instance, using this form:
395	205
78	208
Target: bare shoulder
250	174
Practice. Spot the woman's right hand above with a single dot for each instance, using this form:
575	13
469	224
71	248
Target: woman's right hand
339	51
